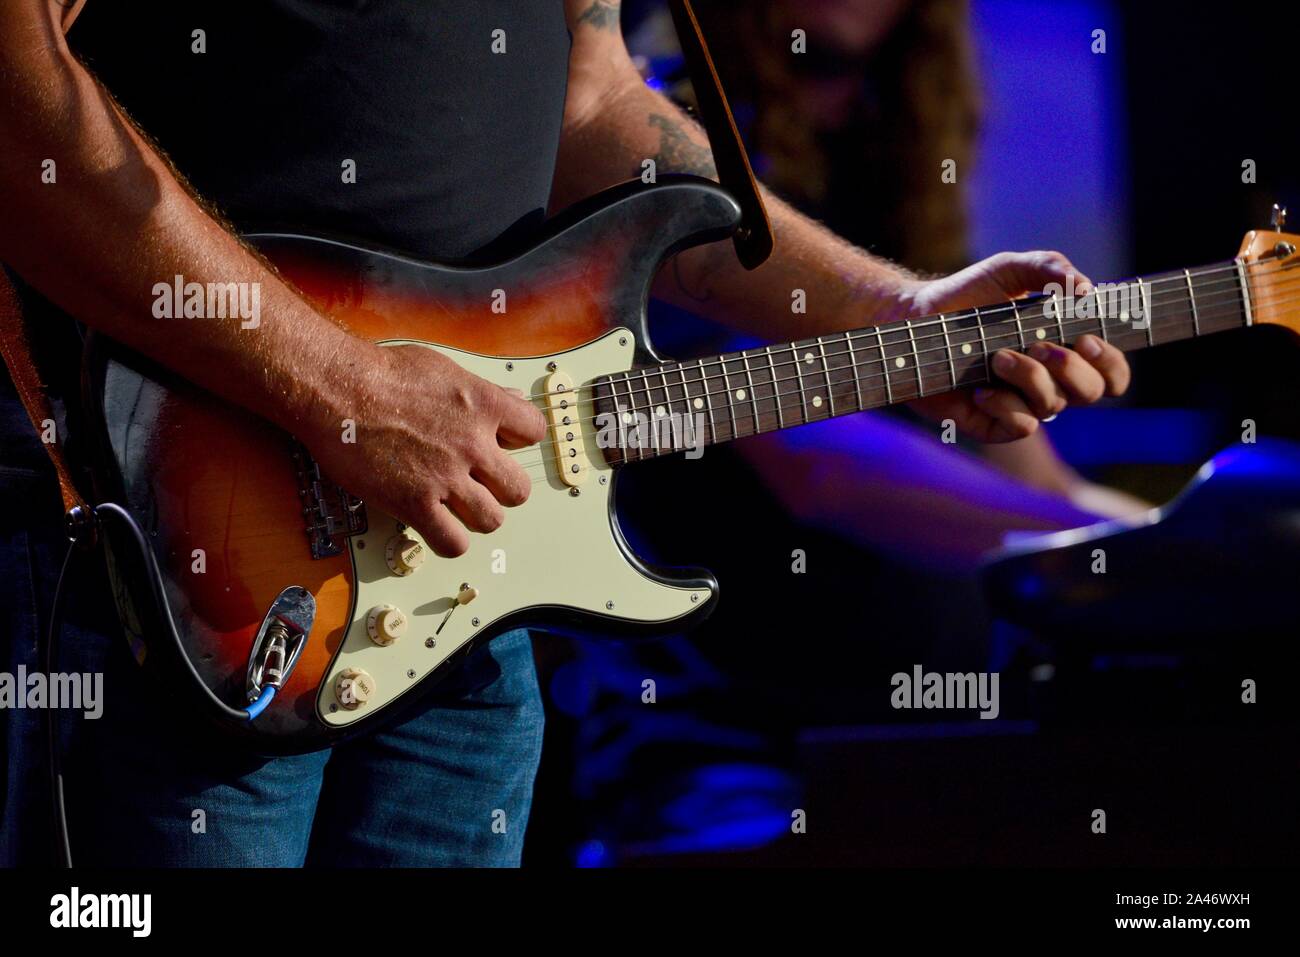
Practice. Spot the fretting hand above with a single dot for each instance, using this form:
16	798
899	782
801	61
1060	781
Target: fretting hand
1036	384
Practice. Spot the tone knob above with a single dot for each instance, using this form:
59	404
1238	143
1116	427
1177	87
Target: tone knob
385	624
404	554
353	688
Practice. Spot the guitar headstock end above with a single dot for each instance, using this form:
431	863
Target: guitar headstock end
1270	259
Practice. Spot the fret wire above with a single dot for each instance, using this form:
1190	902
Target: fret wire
708	401
650	411
1020	327
776	390
753	394
947	347
884	367
668	405
731	406
686	399
1151	319
826	374
916	357
613	396
984	346
1060	326
853	363
1101	318
631	402
1191	298
803	396
1245	293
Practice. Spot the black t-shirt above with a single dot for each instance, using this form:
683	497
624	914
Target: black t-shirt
453	142
426	126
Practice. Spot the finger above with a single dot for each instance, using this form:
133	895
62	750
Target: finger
521	423
1080	382
1030	272
1011	418
441	532
474	505
1107	360
1032	379
504	477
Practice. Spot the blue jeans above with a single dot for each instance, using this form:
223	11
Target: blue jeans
145	786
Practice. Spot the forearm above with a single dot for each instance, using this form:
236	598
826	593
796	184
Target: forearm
843	287
116	221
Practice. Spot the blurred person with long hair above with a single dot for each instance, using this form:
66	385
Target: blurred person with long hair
851	132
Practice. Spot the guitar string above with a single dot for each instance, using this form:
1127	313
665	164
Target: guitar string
1210	314
1012	306
676	369
630	378
645	374
733	431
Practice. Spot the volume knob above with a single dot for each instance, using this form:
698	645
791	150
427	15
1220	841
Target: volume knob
385	624
404	554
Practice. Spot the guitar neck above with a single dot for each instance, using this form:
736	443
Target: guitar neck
664	408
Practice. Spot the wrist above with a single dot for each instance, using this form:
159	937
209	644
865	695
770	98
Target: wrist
908	300
902	297
336	385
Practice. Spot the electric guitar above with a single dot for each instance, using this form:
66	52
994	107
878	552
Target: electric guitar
243	567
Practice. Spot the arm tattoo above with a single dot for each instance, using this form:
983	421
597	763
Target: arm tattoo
678	153
602	14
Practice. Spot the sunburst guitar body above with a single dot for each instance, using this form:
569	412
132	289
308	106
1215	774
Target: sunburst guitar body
234	513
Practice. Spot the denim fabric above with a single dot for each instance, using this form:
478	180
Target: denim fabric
450	786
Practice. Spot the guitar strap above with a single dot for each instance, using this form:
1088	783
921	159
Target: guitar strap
15	345
753	240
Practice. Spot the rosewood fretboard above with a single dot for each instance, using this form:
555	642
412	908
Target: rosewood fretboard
775	387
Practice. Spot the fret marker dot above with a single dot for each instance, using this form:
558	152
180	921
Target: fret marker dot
817	402
740	393
965	348
699	403
627	416
808	357
1040	333
900	362
659	410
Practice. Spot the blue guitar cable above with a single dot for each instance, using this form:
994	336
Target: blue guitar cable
83	537
258	706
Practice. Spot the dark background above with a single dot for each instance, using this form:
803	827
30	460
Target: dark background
742	733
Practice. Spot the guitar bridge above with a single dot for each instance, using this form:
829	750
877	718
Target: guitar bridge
331	513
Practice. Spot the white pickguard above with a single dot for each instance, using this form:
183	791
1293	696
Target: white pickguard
557	549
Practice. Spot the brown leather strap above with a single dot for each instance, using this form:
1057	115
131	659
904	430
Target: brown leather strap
16	347
754	241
